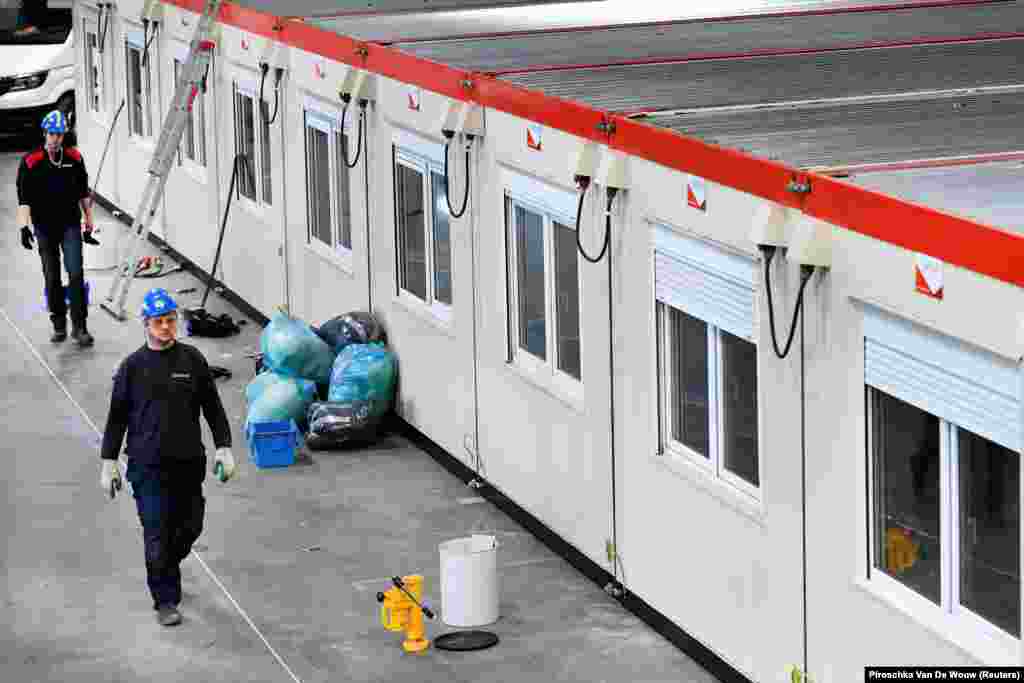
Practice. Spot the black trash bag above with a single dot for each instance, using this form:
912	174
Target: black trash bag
199	323
334	424
356	327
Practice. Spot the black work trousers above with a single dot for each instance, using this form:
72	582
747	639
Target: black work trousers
171	508
51	244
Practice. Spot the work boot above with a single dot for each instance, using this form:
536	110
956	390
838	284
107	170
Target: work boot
82	336
59	335
168	616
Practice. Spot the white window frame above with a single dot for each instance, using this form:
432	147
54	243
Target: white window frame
713	466
328	121
199	110
546	369
421	158
92	59
262	147
949	615
134	42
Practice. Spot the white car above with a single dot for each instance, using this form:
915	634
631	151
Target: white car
36	71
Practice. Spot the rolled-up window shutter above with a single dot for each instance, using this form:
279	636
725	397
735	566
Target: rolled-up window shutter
963	384
705	282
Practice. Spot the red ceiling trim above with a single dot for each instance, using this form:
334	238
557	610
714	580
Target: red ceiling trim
957	241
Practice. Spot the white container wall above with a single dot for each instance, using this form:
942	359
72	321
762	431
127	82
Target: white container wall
544	436
197	179
432	331
97	98
253	254
327	265
481	314
723	563
894	626
141	87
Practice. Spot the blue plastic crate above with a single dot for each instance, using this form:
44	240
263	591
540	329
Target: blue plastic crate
272	444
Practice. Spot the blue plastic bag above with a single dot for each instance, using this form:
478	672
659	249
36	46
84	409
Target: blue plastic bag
259	383
273	397
365	372
290	348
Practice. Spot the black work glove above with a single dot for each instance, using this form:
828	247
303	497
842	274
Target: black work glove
26	237
88	238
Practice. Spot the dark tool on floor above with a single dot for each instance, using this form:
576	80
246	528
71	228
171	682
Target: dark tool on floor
465	641
199	322
219	372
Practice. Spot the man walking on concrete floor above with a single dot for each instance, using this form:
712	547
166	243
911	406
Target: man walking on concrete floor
158	393
53	193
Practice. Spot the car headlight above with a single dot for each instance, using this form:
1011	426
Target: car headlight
28	82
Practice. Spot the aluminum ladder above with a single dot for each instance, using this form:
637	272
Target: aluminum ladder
192	76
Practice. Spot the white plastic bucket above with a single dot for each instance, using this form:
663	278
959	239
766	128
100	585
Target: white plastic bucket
107	254
469	581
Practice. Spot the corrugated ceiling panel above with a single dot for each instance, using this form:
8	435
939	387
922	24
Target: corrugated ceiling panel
312	8
426	25
696	39
989	193
769	79
865	133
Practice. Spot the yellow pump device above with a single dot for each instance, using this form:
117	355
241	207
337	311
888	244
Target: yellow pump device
401	610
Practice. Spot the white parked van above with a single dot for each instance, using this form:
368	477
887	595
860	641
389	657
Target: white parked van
36	70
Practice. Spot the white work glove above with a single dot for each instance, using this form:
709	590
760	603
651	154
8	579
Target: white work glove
226	461
110	478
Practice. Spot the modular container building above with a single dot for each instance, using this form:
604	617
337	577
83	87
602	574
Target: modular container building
799	454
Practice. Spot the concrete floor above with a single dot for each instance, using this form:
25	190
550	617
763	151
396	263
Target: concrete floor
259	605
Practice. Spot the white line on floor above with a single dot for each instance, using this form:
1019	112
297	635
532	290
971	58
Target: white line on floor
246	617
92	424
56	379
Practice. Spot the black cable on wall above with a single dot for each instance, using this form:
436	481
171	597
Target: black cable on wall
803	475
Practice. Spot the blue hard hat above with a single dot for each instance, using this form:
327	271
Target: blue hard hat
55	122
157	302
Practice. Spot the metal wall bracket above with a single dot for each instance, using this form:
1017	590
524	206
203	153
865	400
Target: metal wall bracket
606	126
799	185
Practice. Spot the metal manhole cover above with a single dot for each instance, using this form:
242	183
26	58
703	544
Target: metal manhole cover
462	641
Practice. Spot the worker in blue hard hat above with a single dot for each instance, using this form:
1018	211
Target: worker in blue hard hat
53	194
159	391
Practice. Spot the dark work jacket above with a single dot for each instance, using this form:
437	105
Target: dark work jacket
157	398
52	192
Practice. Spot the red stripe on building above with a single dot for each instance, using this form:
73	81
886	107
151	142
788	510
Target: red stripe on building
957	241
